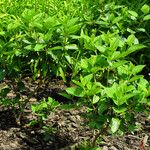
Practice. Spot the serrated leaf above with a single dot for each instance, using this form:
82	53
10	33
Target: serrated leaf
145	9
115	123
147	17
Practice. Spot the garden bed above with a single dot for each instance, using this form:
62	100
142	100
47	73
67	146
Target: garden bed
70	129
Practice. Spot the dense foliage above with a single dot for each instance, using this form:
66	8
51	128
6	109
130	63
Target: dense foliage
100	50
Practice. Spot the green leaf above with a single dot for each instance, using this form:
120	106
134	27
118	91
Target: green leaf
120	109
48	36
114	43
93	89
69	59
52	102
73	29
55	48
141	29
2	33
50	23
13	25
137	69
95	99
62	74
133	13
39	47
102	49
127	97
84	63
86	79
135	78
3	15
130	39
132	49
36	25
72	21
102	107
147	17
29	47
131	31
117	19
33	107
66	95
115	123
78	83
101	61
71	47
76	91
115	55
145	9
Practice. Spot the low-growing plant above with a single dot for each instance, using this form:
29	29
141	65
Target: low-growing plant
42	110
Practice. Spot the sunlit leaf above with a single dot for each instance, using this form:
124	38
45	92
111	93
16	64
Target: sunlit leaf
145	9
76	91
95	99
39	47
147	17
115	123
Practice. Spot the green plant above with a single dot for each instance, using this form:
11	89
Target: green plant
99	47
109	84
42	111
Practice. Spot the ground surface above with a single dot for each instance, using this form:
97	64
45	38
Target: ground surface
69	126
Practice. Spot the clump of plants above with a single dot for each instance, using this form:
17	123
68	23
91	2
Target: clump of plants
99	49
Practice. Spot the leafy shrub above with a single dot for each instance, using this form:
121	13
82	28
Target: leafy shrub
99	47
